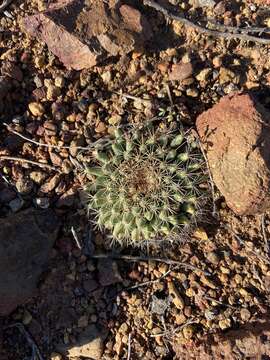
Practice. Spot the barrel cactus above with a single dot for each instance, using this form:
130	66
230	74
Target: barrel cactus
146	185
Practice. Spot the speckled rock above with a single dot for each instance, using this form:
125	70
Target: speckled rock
236	137
25	241
82	33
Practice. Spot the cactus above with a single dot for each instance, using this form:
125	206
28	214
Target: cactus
146	185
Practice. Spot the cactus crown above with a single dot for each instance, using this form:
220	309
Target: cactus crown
146	185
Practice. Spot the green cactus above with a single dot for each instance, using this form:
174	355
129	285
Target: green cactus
147	185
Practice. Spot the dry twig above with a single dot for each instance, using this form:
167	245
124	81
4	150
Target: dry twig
5	4
233	34
175	331
75	236
13	158
53	146
129	347
242	242
214	211
148	282
266	242
36	354
146	258
220	302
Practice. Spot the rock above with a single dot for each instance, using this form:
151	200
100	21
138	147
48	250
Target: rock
56	356
12	70
181	71
89	345
227	75
36	109
245	314
51	184
83	34
203	74
212	257
67	199
224	324
6	194
53	92
25	241
108	273
176	297
206	3
188	331
237	146
90	285
200	234
38	176
24	185
16	204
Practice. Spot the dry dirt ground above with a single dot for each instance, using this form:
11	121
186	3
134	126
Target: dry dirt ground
142	309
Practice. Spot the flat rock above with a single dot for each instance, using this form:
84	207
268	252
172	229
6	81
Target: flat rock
250	340
89	345
84	32
108	273
181	71
236	137
25	241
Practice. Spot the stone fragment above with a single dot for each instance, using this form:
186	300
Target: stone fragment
108	273
83	33
12	70
181	71
176	297
236	137
36	109
89	345
25	241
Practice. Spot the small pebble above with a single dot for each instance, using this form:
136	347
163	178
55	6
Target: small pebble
224	324
36	109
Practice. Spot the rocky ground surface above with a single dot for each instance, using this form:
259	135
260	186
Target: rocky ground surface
115	308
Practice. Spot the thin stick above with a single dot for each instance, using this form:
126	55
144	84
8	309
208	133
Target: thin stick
36	354
169	94
214	211
49	145
237	237
13	158
75	236
199	28
131	97
146	258
220	302
148	282
5	5
266	242
129	346
174	331
234	29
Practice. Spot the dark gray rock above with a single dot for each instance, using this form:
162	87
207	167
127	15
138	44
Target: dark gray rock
26	239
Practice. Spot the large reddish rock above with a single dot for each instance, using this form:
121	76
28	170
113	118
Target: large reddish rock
26	239
236	136
251	341
84	32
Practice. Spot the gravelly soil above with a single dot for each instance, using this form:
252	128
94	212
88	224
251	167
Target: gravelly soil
152	306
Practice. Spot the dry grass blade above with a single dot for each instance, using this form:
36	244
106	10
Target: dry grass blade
86	148
266	242
149	258
36	354
215	33
5	4
242	242
129	347
13	158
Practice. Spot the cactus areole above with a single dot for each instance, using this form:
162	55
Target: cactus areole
146	185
